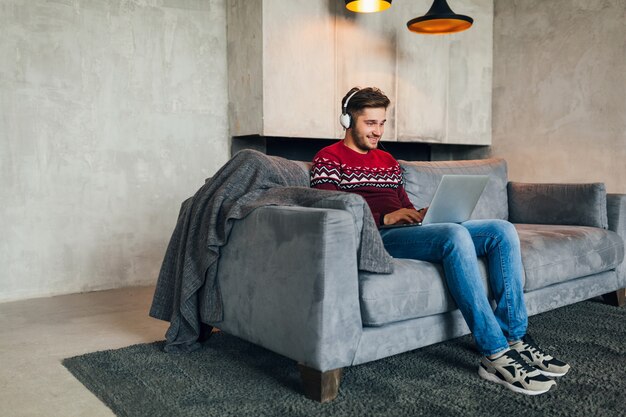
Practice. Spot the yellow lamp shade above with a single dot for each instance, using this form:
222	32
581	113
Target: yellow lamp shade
367	6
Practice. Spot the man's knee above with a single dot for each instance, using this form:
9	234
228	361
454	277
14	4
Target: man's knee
457	237
504	233
506	229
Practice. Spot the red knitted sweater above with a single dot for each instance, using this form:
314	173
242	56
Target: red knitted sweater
376	176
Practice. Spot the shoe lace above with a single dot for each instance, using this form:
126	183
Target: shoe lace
532	346
519	362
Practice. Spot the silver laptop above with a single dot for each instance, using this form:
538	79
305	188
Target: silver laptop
454	200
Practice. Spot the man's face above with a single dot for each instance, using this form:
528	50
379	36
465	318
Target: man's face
368	128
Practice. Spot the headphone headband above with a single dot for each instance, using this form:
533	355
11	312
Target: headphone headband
345	105
345	120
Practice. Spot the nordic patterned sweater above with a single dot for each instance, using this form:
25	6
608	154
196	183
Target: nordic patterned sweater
376	176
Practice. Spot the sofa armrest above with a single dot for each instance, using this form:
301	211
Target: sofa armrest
616	211
289	282
567	204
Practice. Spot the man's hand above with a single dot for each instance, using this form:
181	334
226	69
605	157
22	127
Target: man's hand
405	215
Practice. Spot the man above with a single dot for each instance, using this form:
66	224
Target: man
355	164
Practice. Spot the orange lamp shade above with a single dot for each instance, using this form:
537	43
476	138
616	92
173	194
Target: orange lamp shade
440	19
438	26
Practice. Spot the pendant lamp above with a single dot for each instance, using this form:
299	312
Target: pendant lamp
367	6
440	19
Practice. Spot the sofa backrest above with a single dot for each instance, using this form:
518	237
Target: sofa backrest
306	166
422	178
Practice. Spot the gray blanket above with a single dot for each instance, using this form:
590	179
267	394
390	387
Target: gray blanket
187	291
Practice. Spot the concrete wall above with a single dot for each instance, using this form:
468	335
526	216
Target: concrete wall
291	63
114	111
111	113
559	98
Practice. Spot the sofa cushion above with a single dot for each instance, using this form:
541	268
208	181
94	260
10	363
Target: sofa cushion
573	204
422	178
415	289
553	253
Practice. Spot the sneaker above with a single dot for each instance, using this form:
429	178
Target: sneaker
512	371
544	363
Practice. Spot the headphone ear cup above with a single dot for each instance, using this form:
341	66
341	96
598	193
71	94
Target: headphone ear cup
344	119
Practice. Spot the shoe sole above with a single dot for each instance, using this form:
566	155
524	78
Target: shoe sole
552	374
492	378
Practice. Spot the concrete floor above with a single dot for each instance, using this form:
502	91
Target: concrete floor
35	335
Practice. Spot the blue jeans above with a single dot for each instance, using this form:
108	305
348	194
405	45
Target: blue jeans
457	247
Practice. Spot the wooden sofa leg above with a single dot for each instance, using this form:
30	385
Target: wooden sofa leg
616	298
320	386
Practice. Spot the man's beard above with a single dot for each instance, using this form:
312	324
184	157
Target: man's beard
362	142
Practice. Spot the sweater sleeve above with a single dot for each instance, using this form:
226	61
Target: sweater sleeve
325	172
404	198
325	186
402	195
378	217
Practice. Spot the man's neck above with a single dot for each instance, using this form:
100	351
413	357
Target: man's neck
349	143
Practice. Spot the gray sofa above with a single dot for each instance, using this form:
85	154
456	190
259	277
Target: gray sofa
290	283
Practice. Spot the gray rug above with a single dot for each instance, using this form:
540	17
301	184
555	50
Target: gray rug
230	377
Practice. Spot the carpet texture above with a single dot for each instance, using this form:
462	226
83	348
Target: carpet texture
230	377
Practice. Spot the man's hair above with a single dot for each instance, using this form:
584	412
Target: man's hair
369	97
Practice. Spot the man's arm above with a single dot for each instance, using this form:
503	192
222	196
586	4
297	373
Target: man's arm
325	186
325	174
404	198
407	214
404	215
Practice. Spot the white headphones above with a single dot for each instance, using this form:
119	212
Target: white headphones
345	118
